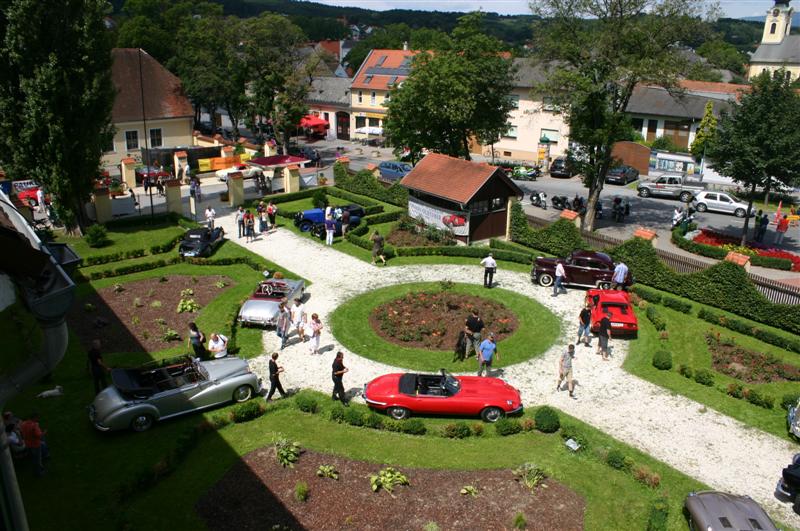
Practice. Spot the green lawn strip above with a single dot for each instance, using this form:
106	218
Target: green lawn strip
688	346
537	329
23	336
125	239
502	265
614	499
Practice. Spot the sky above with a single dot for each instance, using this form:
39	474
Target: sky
730	8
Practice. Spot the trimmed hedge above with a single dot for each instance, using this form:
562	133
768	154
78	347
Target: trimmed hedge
560	238
547	420
662	360
750	329
149	266
712	251
654	317
365	183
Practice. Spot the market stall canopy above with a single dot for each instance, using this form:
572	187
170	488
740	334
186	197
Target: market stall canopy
312	121
370	130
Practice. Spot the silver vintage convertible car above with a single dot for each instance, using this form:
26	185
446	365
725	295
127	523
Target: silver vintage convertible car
139	397
261	309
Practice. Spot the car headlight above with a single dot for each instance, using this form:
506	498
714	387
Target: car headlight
510	402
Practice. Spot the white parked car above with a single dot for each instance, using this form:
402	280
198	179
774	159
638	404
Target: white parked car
248	172
720	202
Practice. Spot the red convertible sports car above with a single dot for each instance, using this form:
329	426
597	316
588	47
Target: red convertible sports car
618	304
401	395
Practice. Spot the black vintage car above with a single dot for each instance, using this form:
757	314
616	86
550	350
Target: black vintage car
200	242
582	268
306	219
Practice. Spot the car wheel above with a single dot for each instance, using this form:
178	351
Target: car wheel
604	285
546	280
739	212
243	393
644	192
305	226
398	413
701	207
142	422
685	197
492	414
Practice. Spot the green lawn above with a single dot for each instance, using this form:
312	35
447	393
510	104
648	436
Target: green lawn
688	346
536	332
126	239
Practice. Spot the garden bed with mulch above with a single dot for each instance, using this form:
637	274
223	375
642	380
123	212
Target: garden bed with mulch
433	320
139	316
748	365
405	238
258	493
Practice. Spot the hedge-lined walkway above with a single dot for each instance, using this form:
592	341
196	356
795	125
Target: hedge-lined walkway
704	444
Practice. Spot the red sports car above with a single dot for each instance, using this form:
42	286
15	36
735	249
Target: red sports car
618	304
403	394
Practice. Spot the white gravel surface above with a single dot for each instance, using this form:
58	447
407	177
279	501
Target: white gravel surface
703	443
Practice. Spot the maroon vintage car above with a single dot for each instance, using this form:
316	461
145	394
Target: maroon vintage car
402	394
583	268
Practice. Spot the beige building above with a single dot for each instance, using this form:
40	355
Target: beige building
380	71
166	110
778	49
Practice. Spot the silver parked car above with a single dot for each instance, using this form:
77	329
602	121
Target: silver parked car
261	309
139	397
720	202
793	421
719	510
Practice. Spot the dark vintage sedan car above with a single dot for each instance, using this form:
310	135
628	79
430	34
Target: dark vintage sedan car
394	171
200	242
306	219
139	397
560	167
583	268
622	175
261	309
719	510
402	394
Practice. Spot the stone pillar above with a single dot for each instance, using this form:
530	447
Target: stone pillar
270	148
572	216
128	167
179	160
102	205
291	178
374	169
173	191
226	152
193	207
235	189
646	234
509	204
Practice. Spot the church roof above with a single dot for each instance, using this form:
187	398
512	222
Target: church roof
787	51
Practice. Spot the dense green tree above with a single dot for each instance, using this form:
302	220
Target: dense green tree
597	52
706	132
723	55
140	32
393	37
56	96
453	94
289	107
756	143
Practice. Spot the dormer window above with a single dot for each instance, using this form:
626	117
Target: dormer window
367	80
381	59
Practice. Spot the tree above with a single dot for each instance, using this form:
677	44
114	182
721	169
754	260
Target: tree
723	55
596	53
756	143
289	107
706	132
453	94
56	96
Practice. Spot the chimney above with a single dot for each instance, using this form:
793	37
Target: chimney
405	46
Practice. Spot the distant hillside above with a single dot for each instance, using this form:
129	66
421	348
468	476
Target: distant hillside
795	19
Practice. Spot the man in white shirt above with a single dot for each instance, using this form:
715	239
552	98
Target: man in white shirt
218	345
40	199
299	318
489	268
620	275
211	214
560	277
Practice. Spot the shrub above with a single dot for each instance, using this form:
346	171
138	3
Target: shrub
735	390
373	420
569	431
387	479
413	427
685	371
789	400
247	411
616	459
320	198
301	491
750	329
392	425
654	317
97	236
307	403
662	360
704	377
506	426
547	420
456	430
758	399
328	471
477	429
647	294
170	335
220	420
529	475
519	521
677	304
658	518
469	490
187	305
155	304
337	413
528	424
560	238
354	417
287	452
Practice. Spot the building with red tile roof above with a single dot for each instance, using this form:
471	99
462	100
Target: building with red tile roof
471	199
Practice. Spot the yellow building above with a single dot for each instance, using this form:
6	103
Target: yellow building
167	111
778	49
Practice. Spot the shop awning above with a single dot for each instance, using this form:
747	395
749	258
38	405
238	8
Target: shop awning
312	121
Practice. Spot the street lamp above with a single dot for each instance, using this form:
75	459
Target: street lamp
146	134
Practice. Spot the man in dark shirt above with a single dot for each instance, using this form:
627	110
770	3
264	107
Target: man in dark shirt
97	367
473	328
345	221
603	335
274	380
338	370
585	324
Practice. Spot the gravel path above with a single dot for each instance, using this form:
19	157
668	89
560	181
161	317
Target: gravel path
700	442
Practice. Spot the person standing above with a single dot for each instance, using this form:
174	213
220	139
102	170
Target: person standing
97	367
473	327
328	212
486	354
330	230
187	171
192	189
316	333
762	228
33	436
218	346
560	277
283	324
603	335
757	224
272	210
489	269
565	370
377	247
196	340
345	221
40	199
249	223
211	215
780	230
299	319
197	191
585	325
274	379
239	218
337	371
620	276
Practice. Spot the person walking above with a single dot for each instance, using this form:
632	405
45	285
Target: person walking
780	230
316	334
274	377
345	221
239	218
486	354
377	247
33	436
218	345
211	215
299	319
272	211
473	327
620	276
565	370
283	326
337	371
560	277
249	223
330	230
489	269
585	325
97	367
196	341
603	335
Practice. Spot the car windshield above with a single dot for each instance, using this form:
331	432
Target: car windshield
451	383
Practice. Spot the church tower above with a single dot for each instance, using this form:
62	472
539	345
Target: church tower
778	22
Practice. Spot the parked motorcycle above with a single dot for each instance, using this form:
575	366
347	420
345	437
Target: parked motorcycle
560	202
620	210
685	216
524	173
539	199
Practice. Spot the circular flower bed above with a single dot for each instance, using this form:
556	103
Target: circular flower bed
434	319
752	248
